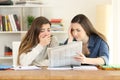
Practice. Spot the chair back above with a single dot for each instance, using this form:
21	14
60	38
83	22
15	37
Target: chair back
15	46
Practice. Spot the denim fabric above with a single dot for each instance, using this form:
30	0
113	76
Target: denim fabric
98	48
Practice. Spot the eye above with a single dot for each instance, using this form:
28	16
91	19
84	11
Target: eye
72	30
78	30
49	30
42	30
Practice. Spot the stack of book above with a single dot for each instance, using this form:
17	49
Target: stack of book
56	25
8	51
6	2
9	22
5	67
28	3
109	67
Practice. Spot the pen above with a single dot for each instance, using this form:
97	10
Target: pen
71	66
19	67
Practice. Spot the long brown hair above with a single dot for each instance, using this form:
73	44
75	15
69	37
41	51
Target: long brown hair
30	40
87	26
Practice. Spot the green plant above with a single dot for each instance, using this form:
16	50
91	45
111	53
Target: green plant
30	20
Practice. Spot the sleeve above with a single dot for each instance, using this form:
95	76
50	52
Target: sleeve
66	41
54	42
104	52
27	58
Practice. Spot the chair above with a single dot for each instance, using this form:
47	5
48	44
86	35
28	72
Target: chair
15	46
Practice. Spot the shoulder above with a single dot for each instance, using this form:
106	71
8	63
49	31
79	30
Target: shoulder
54	38
94	39
54	41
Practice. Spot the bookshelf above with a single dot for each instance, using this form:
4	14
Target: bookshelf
22	11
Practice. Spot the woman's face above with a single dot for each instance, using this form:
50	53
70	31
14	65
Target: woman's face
78	32
45	30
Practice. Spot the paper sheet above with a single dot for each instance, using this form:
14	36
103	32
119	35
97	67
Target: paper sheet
26	68
85	67
60	68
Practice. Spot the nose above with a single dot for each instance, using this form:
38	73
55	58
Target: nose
75	33
47	32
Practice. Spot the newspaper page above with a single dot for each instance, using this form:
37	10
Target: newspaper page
64	55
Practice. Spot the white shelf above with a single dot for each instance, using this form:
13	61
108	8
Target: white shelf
12	32
6	57
27	5
19	32
58	31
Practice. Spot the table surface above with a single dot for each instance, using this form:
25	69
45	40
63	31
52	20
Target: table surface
45	74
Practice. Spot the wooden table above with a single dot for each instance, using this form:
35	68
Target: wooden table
44	74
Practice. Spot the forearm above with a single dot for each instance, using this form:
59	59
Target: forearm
27	58
96	61
70	40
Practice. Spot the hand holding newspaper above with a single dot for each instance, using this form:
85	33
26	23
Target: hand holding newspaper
61	56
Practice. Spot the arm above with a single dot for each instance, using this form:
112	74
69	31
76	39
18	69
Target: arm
27	58
96	61
70	37
85	60
104	52
54	42
102	58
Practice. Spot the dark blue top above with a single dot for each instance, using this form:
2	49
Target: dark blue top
97	48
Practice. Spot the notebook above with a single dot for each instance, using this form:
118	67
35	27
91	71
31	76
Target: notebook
61	56
5	67
85	67
110	67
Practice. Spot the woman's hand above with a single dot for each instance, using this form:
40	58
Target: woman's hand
70	39
44	39
80	57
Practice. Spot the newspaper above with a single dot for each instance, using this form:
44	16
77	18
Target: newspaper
64	55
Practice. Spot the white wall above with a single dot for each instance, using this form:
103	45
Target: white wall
116	31
67	9
104	24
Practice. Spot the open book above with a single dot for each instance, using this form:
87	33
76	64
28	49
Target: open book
62	56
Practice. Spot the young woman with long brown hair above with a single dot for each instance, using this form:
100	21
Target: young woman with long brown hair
33	47
95	48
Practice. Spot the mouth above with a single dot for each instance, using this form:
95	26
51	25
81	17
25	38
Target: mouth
76	38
